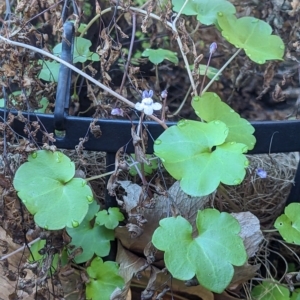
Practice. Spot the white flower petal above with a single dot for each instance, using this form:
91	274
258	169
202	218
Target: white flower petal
148	110
156	106
139	106
147	101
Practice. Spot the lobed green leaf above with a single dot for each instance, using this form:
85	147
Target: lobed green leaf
104	279
209	107
195	153
218	233
288	223
156	56
46	186
252	35
171	232
111	218
92	238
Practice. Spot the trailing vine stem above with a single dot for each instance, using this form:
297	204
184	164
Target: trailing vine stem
88	77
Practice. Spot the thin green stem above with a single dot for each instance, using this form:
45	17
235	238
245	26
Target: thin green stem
96	17
181	104
99	176
221	70
204	76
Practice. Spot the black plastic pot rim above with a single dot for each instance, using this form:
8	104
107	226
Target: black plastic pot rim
271	136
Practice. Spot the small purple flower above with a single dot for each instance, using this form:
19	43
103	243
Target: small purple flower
117	112
213	47
164	94
261	173
147	104
147	94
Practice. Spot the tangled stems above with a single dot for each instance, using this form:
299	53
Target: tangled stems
156	17
94	81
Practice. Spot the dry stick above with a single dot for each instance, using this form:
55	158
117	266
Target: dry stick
97	83
129	51
19	249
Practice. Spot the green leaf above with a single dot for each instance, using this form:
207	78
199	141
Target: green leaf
50	70
270	291
81	27
156	56
190	8
47	188
92	238
12	98
171	232
252	35
288	223
44	102
81	50
148	169
206	10
111	218
209	107
211	72
218	233
104	279
296	294
195	153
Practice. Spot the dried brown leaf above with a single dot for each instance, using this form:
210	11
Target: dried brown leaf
186	205
250	231
134	194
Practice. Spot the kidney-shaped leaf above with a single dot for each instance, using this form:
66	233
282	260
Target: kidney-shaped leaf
209	107
188	154
47	188
206	10
288	223
156	56
92	238
104	279
210	256
253	35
